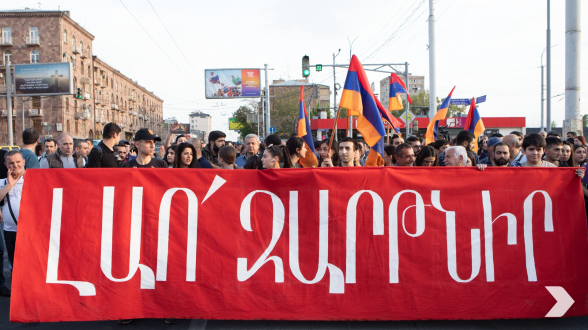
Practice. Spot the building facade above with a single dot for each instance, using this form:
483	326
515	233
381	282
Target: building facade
415	85
200	123
41	36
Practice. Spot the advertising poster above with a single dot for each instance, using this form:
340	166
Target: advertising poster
232	83
43	79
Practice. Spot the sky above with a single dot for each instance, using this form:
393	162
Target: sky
483	47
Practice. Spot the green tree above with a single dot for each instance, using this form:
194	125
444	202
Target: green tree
284	113
585	121
241	117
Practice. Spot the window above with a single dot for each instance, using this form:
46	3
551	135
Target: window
81	50
65	59
68	129
64	36
73	43
37	125
6	35
82	64
67	107
7	56
34	34
77	127
75	82
88	51
36	102
73	61
35	56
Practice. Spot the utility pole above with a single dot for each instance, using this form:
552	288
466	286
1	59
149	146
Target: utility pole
573	121
548	64
267	105
335	87
9	103
542	99
432	92
407	104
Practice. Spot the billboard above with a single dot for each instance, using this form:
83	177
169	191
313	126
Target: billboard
43	79
234	124
232	83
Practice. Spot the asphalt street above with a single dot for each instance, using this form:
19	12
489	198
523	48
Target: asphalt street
551	323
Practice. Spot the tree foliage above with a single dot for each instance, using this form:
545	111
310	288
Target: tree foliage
241	117
284	113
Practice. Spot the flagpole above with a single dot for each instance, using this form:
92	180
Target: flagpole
334	130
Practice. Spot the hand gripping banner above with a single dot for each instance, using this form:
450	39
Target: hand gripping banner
299	244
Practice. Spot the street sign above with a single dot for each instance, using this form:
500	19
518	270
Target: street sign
272	130
407	118
319	67
234	124
480	99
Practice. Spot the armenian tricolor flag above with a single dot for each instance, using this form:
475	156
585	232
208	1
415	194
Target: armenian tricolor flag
310	159
433	129
397	87
358	98
387	116
474	123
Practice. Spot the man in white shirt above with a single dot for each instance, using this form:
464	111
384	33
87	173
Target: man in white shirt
11	192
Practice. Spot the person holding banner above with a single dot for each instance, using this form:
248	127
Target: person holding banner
296	150
145	143
273	155
348	152
329	158
185	156
404	155
11	192
456	156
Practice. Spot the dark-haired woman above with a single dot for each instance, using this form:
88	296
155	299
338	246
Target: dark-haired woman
185	156
226	158
296	150
273	155
579	155
566	159
170	155
329	158
427	157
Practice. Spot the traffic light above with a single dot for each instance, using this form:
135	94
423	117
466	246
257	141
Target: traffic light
305	66
79	94
319	67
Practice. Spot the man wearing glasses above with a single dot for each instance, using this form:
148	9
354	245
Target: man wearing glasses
415	143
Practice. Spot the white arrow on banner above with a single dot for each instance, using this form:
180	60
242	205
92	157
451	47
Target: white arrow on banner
564	301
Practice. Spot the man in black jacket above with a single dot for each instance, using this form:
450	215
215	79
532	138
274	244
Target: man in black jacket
216	140
104	154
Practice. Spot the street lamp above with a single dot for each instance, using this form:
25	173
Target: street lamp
542	89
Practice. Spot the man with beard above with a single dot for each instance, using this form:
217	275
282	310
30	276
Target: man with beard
404	155
348	151
492	142
501	157
464	139
216	140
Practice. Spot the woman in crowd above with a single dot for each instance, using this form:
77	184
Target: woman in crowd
427	157
483	149
471	159
440	145
580	140
389	152
579	155
566	155
273	155
170	155
185	156
296	150
226	158
329	158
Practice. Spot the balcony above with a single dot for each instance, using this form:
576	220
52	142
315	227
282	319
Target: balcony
86	96
3	89
114	107
35	112
83	115
6	41
75	50
97	101
132	99
33	41
96	81
103	120
140	116
5	113
98	119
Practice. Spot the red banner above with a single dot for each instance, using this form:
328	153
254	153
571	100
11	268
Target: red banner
299	244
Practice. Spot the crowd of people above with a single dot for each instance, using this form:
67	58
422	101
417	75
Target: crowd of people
544	149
